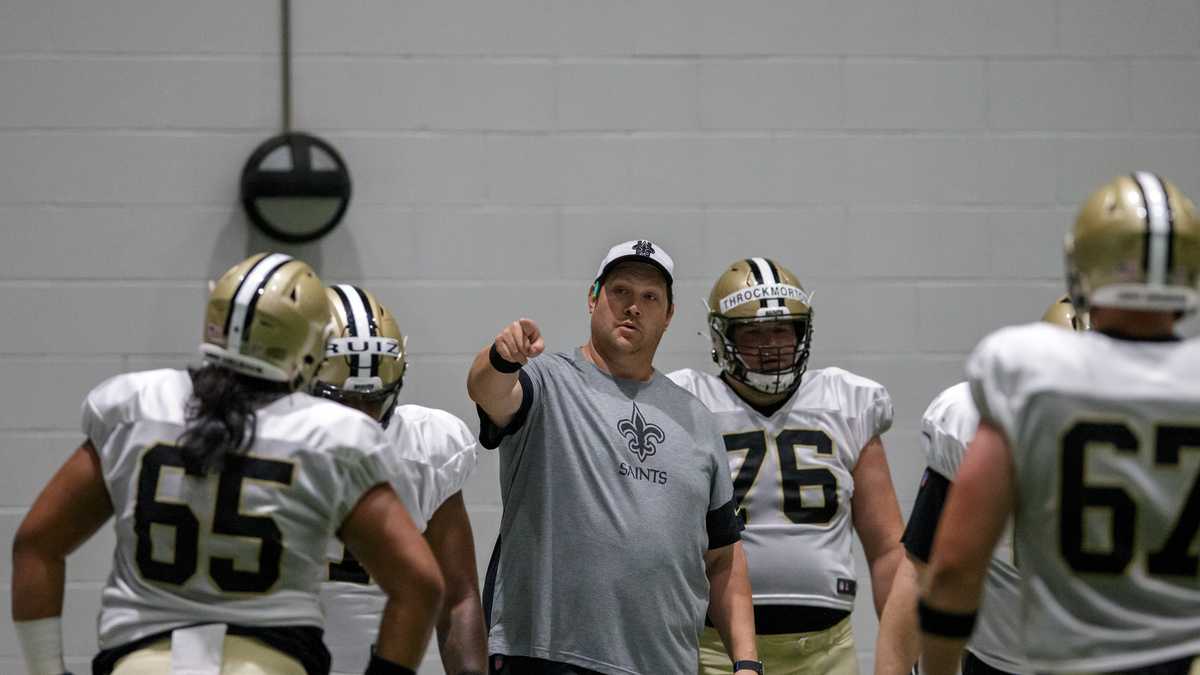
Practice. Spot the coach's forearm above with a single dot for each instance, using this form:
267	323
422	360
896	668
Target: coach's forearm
492	389
730	602
485	384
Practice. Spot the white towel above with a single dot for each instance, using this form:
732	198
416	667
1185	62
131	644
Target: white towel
198	650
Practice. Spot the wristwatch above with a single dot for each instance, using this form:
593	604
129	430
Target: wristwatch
756	666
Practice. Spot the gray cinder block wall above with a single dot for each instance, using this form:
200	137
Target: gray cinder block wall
914	161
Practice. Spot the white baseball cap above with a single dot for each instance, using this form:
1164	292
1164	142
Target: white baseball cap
638	250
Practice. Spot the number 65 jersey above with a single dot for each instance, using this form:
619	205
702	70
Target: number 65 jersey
1105	441
792	480
244	546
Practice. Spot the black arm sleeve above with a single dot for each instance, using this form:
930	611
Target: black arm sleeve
490	435
724	526
927	509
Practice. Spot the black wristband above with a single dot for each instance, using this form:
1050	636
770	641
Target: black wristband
756	666
945	624
500	363
381	666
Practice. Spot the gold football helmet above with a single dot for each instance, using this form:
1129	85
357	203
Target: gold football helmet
1135	245
1062	313
365	361
760	292
267	317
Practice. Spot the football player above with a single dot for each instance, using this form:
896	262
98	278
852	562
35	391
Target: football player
1092	438
995	647
226	483
808	465
435	453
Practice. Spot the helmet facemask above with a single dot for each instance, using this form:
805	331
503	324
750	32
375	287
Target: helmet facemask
378	403
769	369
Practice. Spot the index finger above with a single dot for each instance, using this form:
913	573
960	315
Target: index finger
531	329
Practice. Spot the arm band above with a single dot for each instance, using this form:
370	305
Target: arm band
926	511
723	525
500	363
381	666
41	643
945	624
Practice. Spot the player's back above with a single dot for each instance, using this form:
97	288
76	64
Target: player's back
243	546
1105	436
947	427
434	453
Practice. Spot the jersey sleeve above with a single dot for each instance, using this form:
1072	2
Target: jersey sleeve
867	402
450	453
414	483
993	383
459	455
878	416
357	466
947	428
106	407
943	452
684	377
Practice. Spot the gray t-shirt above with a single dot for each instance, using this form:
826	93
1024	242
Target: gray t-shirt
613	491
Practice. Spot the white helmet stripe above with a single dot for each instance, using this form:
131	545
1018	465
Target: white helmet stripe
1158	223
246	295
764	270
358	321
767	272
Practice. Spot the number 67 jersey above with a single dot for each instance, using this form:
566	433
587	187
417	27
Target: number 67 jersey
1105	441
792	480
245	546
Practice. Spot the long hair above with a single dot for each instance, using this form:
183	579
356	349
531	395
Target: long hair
221	415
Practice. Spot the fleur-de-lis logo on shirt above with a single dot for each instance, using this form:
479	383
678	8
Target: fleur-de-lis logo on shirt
641	436
643	247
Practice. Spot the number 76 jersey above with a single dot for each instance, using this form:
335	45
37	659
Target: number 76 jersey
792	480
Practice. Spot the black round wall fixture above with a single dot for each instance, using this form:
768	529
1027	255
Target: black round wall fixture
295	187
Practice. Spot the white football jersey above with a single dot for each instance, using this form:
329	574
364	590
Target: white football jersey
433	453
947	427
792	480
1105	436
246	546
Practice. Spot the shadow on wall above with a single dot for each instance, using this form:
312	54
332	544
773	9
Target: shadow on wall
239	239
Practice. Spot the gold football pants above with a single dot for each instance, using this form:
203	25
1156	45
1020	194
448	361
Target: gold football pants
830	652
242	656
